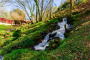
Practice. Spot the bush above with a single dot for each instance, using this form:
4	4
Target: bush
74	13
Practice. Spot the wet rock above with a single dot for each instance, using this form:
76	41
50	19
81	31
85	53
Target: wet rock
52	35
43	34
57	27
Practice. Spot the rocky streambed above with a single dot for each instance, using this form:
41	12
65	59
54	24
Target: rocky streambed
56	33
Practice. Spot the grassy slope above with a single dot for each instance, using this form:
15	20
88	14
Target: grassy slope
76	46
27	40
3	31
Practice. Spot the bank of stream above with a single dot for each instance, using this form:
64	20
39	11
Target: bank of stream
63	26
58	33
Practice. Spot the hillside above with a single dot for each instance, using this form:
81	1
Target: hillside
75	47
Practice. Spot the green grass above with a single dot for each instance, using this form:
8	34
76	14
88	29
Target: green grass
27	40
75	46
3	32
4	28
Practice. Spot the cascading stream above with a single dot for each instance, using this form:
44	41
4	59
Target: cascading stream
59	33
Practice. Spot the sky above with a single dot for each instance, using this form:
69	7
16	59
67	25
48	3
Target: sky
10	7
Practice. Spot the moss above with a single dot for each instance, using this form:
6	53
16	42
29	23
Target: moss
53	44
17	34
74	13
37	37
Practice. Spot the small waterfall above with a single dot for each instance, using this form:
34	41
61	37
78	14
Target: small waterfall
59	33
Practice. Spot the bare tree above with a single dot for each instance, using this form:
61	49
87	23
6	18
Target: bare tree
61	6
41	10
23	4
51	3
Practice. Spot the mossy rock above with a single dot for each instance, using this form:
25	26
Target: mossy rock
53	44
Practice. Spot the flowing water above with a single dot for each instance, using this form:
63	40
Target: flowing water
1	57
59	33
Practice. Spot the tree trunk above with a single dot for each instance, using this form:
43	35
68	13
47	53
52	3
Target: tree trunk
36	13
70	8
41	10
61	6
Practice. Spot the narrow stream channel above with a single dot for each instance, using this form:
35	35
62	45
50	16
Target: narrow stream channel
59	33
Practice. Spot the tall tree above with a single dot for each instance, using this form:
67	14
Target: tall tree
70	8
51	4
36	13
41	10
61	6
37	5
31	8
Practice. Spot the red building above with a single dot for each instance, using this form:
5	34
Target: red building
7	21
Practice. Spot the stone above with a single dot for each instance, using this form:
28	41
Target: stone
52	35
43	34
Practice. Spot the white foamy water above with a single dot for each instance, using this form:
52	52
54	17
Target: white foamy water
1	57
59	33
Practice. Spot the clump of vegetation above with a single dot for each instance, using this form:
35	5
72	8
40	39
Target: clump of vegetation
53	44
74	13
17	34
70	20
7	42
37	37
87	12
65	5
